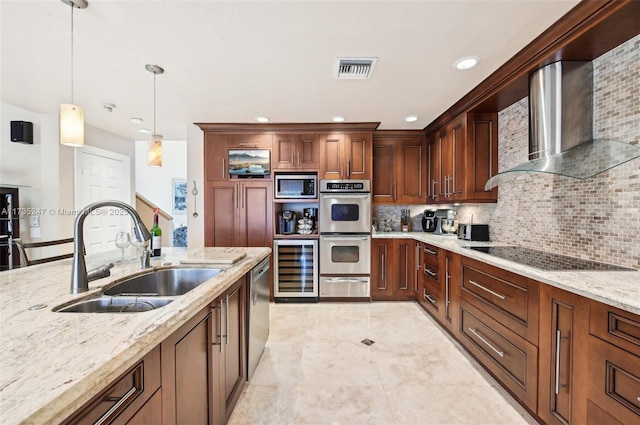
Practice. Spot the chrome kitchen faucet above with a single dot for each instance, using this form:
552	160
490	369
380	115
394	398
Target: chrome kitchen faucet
79	278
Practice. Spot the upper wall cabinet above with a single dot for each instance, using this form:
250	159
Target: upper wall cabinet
399	167
462	156
346	156
216	151
292	152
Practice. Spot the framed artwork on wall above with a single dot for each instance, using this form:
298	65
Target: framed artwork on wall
179	196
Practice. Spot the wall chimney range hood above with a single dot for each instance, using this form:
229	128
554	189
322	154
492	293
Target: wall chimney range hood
561	127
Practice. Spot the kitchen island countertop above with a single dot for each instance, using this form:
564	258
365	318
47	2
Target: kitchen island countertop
52	363
620	289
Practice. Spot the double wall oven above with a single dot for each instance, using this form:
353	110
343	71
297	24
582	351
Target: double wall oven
345	238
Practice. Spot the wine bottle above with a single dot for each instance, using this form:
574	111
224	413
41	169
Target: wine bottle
156	235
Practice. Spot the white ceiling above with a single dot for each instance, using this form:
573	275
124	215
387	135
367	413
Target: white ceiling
230	61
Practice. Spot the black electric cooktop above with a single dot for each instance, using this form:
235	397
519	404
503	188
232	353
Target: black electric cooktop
545	260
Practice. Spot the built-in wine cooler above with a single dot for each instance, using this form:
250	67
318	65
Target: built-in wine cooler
295	270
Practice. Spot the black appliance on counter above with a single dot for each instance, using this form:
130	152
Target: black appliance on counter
429	221
9	228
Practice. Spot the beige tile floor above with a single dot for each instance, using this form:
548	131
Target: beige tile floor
315	370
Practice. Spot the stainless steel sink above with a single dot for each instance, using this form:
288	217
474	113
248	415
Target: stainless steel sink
165	282
143	292
107	304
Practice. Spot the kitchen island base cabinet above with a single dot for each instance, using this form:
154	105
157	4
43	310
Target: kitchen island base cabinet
203	363
131	399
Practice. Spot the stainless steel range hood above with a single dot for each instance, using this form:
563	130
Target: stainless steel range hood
561	127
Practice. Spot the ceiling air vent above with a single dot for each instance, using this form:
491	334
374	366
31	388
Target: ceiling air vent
354	68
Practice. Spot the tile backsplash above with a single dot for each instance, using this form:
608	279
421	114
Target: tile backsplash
596	219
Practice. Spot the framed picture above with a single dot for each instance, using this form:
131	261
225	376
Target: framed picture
179	196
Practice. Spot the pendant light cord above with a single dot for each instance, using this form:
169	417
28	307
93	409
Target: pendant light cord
72	53
154	103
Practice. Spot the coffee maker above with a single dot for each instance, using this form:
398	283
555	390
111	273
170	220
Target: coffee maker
287	222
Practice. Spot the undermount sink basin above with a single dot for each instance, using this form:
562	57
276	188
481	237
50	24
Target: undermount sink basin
165	282
143	292
106	304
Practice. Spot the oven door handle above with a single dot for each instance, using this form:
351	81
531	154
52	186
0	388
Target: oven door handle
331	195
345	279
345	237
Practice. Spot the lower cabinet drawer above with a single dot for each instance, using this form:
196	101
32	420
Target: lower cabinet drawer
614	383
615	326
125	396
430	300
509	357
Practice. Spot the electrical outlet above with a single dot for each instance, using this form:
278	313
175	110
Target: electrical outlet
34	221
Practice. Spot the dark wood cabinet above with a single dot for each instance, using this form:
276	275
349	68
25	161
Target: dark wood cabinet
130	398
399	167
188	372
462	156
232	348
564	327
216	151
613	365
293	152
239	213
346	156
393	269
204	362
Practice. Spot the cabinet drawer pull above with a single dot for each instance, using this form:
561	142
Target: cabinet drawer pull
430	252
474	283
481	338
430	298
430	272
107	416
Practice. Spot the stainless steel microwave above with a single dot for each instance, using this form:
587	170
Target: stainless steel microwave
296	186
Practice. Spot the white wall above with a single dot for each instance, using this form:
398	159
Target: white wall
44	171
156	183
195	167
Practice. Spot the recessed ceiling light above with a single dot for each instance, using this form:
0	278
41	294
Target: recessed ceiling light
136	120
262	119
466	62
338	119
411	118
145	131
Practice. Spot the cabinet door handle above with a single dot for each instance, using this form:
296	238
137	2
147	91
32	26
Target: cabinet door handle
558	338
219	335
474	283
224	164
395	191
433	192
299	164
446	283
383	278
226	310
481	338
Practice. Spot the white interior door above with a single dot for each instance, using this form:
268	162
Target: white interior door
102	175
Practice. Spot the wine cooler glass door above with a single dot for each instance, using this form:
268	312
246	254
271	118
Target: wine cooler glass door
296	268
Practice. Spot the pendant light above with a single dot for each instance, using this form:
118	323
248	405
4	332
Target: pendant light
72	116
155	144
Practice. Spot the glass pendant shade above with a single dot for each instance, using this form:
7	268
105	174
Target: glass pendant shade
155	151
71	125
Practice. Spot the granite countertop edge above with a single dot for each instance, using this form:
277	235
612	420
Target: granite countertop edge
616	288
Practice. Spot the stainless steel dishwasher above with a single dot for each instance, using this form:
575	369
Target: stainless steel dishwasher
258	313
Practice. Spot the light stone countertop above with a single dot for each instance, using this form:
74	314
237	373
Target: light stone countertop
52	363
616	288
